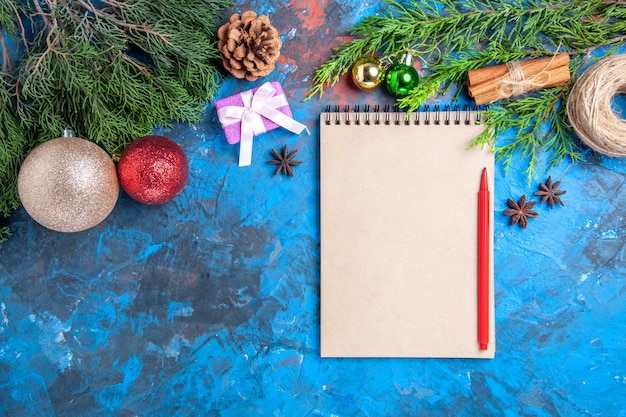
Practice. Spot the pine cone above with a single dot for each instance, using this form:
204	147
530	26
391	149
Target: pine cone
249	45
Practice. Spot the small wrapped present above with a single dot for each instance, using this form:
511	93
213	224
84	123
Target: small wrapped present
252	112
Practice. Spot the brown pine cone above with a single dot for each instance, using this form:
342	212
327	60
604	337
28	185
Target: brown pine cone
249	45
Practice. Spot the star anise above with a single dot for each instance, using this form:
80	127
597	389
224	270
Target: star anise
284	161
549	192
520	211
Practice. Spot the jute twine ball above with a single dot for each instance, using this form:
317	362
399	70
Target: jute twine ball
589	106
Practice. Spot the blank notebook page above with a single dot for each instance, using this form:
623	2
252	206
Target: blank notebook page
398	209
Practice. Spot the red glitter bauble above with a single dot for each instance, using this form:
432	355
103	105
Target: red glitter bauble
153	169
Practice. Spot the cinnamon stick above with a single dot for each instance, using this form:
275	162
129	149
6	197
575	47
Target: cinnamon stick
494	95
495	82
532	66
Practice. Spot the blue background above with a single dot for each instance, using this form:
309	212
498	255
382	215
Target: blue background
209	304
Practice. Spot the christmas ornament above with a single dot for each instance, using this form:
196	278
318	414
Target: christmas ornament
68	184
153	169
402	77
367	73
249	45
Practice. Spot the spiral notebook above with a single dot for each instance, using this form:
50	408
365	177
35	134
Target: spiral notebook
398	214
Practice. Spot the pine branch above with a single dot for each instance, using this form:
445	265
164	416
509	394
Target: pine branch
14	142
475	33
111	70
535	126
5	232
10	25
448	74
472	25
331	71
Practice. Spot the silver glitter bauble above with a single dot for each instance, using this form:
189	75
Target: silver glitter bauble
68	184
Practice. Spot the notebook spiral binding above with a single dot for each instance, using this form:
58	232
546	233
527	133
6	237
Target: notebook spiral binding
455	114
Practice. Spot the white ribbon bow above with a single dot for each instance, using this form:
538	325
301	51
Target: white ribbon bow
257	104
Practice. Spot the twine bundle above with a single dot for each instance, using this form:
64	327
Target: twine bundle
589	106
518	83
494	82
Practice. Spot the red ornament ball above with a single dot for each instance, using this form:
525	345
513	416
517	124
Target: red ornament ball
153	169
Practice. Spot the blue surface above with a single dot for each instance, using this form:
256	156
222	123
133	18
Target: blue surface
209	305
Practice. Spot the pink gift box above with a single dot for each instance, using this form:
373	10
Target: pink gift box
233	131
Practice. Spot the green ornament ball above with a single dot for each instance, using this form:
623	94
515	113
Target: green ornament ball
401	79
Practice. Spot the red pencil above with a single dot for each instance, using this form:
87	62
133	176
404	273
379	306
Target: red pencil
483	262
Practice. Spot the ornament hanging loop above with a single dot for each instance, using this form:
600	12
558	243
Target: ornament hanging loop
406	59
67	133
409	52
386	61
